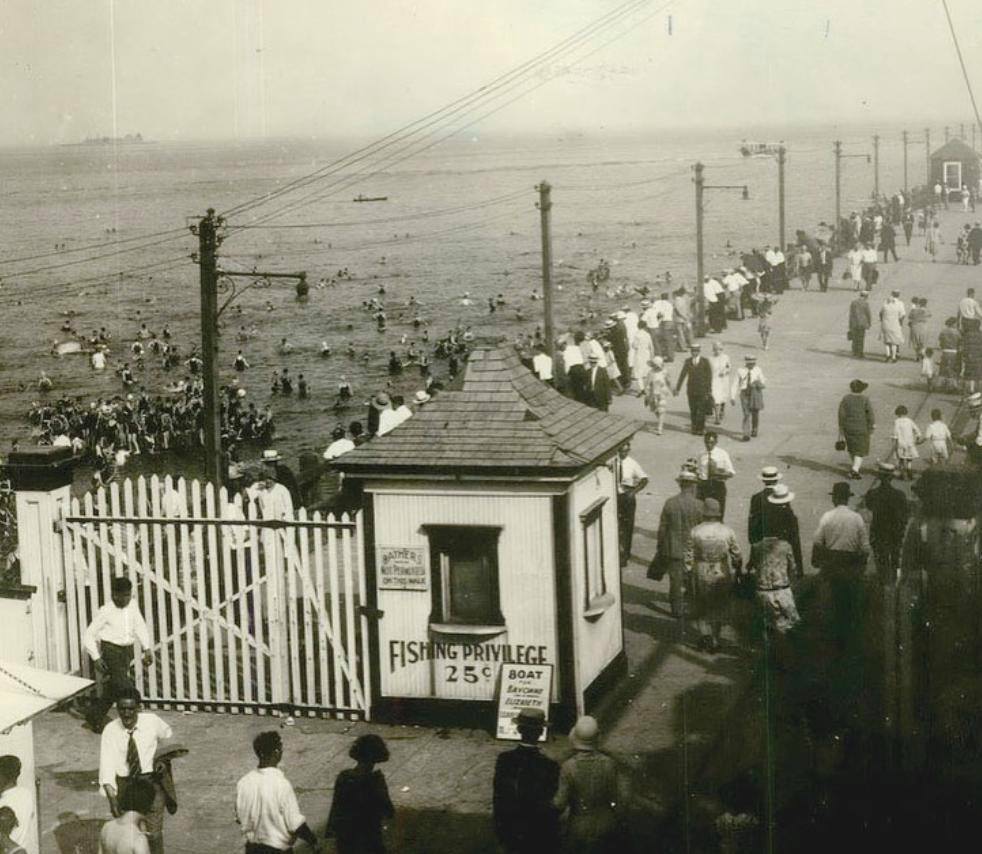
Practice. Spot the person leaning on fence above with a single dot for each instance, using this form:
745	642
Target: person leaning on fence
109	641
127	753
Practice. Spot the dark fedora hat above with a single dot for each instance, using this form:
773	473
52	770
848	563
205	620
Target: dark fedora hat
841	490
369	748
856	386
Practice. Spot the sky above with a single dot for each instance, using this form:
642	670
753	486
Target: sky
244	69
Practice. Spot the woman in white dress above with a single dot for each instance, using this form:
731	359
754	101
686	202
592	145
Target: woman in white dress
642	352
855	256
892	316
720	365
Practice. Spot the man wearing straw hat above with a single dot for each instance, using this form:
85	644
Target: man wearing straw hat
525	782
770	477
888	506
773	564
680	514
749	382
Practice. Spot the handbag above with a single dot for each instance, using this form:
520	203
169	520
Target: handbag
657	568
840	444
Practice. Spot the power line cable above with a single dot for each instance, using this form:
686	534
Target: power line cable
349	180
961	60
443	113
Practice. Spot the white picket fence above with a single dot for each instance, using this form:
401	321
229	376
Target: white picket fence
245	615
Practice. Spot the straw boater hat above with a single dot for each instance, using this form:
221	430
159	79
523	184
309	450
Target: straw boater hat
645	303
885	470
271	456
531	717
593	357
974	401
381	400
687	475
586	734
421	396
781	495
749	358
711	509
610	324
770	474
657	362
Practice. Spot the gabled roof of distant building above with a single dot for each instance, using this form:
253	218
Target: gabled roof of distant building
504	419
955	149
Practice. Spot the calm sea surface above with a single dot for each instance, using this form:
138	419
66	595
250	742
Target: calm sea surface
460	217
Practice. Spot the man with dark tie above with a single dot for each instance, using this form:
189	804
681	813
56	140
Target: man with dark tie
698	376
126	754
597	384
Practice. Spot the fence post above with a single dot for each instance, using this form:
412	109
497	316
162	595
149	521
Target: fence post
42	478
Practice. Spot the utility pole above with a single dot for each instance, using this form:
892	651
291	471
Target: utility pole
781	159
927	159
207	247
905	164
699	327
545	208
838	187
876	166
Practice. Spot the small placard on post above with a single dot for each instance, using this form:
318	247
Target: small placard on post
402	568
522	686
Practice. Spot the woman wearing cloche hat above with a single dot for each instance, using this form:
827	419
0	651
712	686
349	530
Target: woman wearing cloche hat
592	794
856	423
361	800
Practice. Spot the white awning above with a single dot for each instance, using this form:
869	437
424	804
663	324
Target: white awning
26	691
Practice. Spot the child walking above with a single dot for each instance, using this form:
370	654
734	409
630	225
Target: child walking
657	389
938	437
764	309
361	800
906	437
928	368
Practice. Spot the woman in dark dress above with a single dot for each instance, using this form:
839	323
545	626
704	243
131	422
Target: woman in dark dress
361	800
856	423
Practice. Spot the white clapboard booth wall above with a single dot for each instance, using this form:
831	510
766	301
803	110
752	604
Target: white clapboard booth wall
246	614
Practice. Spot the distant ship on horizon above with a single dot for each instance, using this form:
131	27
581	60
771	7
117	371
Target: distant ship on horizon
129	139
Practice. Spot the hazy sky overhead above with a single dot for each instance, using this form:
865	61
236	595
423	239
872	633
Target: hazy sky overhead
246	68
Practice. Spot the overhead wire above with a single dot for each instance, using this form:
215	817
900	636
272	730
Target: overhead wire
416	126
464	106
961	61
349	180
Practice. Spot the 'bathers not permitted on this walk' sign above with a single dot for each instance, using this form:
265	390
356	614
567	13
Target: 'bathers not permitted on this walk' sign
523	686
402	568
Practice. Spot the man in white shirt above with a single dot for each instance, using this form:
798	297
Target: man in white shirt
109	641
714	469
715	307
20	799
682	315
969	308
630	322
126	754
542	364
341	444
265	804
734	282
631	479
649	315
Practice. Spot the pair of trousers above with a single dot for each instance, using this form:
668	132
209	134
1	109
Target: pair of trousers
118	660
697	413
751	417
858	339
627	506
713	489
683	332
886	555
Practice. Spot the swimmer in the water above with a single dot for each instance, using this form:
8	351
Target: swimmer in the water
466	299
344	388
285	346
44	382
325	349
240	363
350	350
302	387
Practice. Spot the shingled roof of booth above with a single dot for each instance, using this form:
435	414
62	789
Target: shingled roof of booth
503	417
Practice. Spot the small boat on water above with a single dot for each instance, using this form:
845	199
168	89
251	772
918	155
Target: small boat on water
759	149
361	198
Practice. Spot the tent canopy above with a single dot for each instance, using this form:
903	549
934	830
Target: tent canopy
26	691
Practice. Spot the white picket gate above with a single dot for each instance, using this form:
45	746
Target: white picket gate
255	616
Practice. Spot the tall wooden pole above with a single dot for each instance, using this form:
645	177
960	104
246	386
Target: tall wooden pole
781	160
700	318
207	246
905	164
545	207
838	188
876	166
927	157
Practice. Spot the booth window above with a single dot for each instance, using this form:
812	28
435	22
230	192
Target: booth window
464	573
593	552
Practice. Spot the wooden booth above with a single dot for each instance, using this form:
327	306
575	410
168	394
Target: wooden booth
491	538
953	166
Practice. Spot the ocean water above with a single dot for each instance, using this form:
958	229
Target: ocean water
460	217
